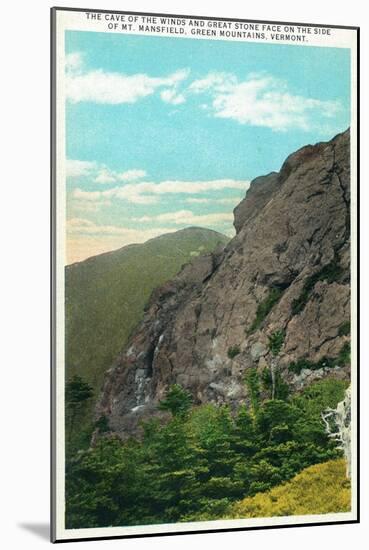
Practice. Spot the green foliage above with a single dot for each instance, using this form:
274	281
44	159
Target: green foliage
344	356
297	366
201	462
276	341
302	363
344	329
281	388
319	489
177	400
275	413
77	391
233	351
329	273
102	424
253	386
265	307
319	396
78	394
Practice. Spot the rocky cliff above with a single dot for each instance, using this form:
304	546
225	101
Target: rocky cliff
284	277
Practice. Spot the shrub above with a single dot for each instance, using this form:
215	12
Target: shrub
319	396
344	356
344	329
177	400
302	363
281	390
276	341
233	351
253	385
77	391
197	464
319	489
78	394
265	307
297	366
102	424
329	273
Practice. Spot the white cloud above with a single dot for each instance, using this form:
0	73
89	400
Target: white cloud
89	196
99	173
110	176
226	200
126	192
259	100
230	200
131	175
263	100
99	86
105	176
172	97
179	186
88	206
87	227
220	82
136	198
201	200
149	192
178	76
79	168
73	61
186	217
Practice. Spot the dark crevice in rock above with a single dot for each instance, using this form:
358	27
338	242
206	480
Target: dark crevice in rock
316	194
347	204
311	238
215	266
150	359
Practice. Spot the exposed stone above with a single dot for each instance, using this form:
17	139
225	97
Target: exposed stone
262	364
258	350
290	226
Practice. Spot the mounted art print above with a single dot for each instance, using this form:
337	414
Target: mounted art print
204	239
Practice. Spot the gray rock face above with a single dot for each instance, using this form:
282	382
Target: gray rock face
258	350
291	227
260	192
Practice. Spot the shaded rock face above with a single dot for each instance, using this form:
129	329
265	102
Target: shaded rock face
199	329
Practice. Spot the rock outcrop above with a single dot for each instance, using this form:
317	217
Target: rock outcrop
287	270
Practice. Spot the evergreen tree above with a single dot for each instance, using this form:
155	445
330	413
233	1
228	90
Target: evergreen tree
200	462
77	395
178	401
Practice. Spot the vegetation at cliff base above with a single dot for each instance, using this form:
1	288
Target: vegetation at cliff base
202	461
319	489
343	358
78	395
105	298
281	388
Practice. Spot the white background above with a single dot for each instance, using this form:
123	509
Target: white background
24	218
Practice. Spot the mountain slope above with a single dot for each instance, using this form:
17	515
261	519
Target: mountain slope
106	294
277	298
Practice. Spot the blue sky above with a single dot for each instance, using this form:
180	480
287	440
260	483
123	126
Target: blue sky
164	133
